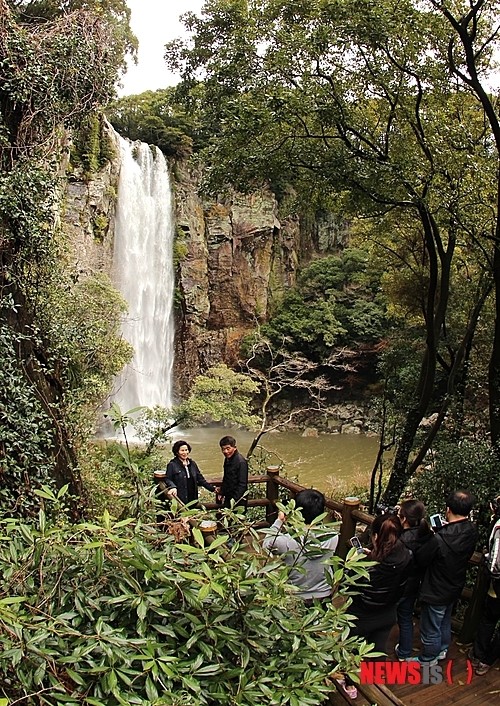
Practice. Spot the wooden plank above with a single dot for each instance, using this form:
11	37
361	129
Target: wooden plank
385	690
375	695
483	691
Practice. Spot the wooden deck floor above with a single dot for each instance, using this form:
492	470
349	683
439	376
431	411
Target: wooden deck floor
481	691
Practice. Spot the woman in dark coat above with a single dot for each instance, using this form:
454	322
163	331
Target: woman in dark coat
416	532
183	475
375	604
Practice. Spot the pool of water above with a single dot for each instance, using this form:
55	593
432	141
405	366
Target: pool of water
318	462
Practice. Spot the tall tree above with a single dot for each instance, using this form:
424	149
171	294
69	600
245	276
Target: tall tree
474	30
357	99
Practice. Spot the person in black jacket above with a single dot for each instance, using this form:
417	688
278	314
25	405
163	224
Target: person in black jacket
235	479
183	475
486	647
445	558
375	605
416	532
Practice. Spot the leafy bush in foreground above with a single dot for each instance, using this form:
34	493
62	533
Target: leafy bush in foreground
120	613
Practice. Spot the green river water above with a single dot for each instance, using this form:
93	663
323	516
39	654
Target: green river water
321	462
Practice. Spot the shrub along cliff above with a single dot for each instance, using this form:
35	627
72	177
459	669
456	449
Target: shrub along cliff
57	69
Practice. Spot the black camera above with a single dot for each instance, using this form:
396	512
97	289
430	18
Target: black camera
381	509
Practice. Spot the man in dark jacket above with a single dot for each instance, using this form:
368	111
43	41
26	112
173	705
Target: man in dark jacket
235	479
445	558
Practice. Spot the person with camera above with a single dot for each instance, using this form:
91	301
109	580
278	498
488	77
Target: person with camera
308	552
486	647
444	558
374	605
416	532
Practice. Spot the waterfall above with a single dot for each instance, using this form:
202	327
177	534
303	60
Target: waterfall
143	272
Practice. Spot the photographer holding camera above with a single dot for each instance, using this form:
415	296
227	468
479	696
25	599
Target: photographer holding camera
445	558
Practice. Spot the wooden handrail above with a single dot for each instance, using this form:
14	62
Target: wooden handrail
351	515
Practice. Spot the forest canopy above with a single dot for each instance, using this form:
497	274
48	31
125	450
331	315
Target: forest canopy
384	110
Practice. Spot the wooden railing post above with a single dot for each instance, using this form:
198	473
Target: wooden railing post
348	526
272	493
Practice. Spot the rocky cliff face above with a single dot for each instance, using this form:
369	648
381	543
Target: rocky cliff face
87	212
236	255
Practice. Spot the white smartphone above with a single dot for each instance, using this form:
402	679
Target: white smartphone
436	521
354	542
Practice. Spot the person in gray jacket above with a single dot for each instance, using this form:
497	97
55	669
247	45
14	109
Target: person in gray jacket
308	553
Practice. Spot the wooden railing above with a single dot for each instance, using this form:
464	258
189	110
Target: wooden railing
351	514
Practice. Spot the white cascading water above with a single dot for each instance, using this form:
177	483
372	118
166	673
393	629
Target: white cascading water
143	272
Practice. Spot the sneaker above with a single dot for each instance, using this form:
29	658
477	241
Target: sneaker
442	655
399	656
430	662
481	668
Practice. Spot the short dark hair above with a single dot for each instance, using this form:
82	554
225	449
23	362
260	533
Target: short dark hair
460	502
311	503
177	446
413	511
228	441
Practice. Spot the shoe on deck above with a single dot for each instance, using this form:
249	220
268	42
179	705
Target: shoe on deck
442	655
430	662
472	658
481	668
349	689
400	656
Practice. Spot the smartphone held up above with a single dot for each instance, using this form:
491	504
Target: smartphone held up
355	542
437	521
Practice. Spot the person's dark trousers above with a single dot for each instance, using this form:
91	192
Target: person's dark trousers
406	607
435	629
486	644
376	627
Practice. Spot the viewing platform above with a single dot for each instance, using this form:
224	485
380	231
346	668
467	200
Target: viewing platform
459	686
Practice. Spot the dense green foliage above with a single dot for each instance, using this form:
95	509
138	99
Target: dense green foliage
25	429
92	147
155	117
467	464
116	14
122	613
58	333
337	302
220	395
